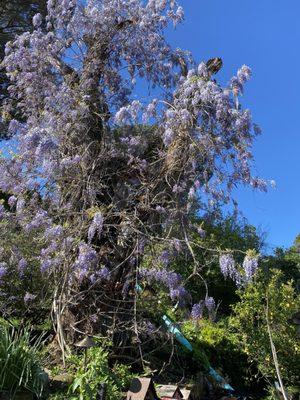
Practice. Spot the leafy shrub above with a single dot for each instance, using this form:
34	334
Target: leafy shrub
250	323
20	364
88	378
221	348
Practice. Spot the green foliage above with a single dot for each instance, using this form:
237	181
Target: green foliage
286	261
250	322
96	370
20	364
221	348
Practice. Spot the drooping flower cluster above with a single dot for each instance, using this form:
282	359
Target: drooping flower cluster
96	226
22	266
29	297
3	269
210	304
198	309
229	269
86	261
250	266
169	279
227	266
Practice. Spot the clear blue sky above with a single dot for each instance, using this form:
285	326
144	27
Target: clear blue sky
264	34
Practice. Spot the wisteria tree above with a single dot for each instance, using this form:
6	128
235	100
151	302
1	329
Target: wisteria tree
99	177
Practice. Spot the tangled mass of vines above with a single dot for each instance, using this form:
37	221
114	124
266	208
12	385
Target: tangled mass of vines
96	178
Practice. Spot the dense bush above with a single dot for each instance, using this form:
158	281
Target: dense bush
83	374
222	349
87	378
250	322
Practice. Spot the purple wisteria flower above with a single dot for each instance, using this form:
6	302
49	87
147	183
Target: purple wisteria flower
150	328
20	206
123	116
12	201
102	275
86	261
227	266
47	146
87	255
13	126
185	116
140	248
165	257
201	232
52	248
37	20
2	211
29	297
250	266
68	243
179	293
22	265
39	220
54	232
95	227
151	111
94	318
197	311
169	279
168	136
210	304
244	74
3	270
202	70
236	86
46	265
177	245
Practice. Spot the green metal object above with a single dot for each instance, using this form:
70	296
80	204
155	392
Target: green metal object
174	330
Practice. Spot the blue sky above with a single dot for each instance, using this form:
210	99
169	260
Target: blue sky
264	34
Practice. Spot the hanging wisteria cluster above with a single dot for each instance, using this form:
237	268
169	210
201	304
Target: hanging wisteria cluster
198	309
97	177
241	276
